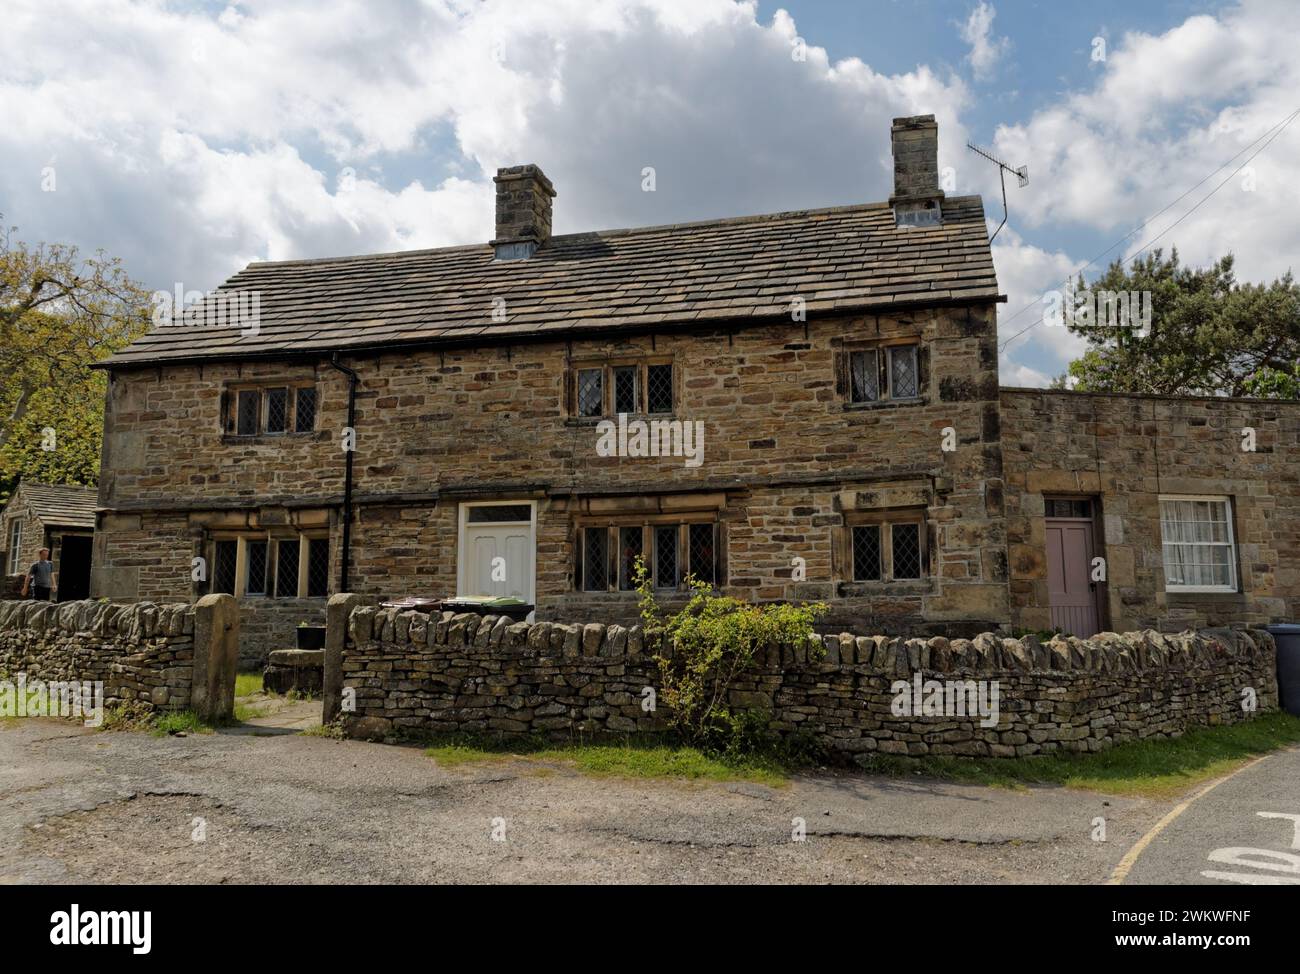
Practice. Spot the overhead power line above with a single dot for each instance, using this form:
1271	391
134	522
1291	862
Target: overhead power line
1268	135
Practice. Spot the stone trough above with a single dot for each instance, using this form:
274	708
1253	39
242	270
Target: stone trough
302	670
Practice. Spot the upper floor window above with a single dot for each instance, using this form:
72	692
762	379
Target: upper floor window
607	554
887	547
271	409
1199	550
606	389
885	372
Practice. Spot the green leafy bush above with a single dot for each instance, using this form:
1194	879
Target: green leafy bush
706	646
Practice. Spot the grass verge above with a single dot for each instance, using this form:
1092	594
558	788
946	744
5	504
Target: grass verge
622	759
129	717
1143	769
247	684
179	722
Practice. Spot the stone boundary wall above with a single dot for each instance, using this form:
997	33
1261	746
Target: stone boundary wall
413	673
162	657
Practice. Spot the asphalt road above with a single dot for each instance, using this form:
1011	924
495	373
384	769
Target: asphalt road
81	806
84	806
1243	831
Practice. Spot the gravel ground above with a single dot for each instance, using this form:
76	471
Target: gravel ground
88	807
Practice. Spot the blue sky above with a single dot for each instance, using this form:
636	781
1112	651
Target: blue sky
190	138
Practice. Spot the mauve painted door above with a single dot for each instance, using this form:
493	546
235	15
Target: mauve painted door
1069	567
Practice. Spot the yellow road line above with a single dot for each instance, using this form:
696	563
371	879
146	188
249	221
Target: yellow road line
1126	864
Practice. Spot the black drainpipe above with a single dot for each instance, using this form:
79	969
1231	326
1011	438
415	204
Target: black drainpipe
347	475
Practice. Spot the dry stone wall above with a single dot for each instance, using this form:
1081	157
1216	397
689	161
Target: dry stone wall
143	653
159	657
414	673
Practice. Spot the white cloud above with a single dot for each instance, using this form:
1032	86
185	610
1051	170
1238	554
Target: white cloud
1025	274
1012	373
189	141
986	49
1167	111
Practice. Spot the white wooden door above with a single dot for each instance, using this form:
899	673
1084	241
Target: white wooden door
496	559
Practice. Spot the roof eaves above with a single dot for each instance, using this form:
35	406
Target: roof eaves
655	322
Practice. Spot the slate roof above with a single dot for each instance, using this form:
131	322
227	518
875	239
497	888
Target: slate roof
63	505
743	270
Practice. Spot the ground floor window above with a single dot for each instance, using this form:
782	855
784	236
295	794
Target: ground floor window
15	546
607	553
888	546
1199	550
281	566
223	566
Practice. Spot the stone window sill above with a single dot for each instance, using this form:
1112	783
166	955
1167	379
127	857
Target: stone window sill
630	595
593	421
1205	598
910	586
235	439
885	404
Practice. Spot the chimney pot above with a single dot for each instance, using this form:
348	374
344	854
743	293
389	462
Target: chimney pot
917	198
524	197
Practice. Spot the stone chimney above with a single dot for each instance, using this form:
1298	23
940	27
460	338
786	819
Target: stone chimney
917	199
523	211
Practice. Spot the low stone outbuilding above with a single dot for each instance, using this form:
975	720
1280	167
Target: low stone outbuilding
60	517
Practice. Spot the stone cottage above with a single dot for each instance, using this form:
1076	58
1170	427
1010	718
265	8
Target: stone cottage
60	517
791	406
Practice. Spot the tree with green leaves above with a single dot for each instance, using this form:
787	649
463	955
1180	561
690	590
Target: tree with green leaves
60	312
1208	335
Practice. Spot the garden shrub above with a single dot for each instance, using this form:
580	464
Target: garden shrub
714	639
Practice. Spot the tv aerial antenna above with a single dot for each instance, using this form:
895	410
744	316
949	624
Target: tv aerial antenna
1021	174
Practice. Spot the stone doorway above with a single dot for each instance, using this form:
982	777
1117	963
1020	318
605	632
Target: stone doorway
1071	547
74	567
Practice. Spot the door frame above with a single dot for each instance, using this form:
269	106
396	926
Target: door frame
462	518
1098	538
62	562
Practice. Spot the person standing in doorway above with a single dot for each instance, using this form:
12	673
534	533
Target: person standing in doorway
40	577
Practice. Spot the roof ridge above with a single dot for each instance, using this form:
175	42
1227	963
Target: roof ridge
727	221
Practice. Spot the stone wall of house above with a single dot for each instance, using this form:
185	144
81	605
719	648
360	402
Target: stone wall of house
33	540
1126	451
143	653
414	673
786	459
